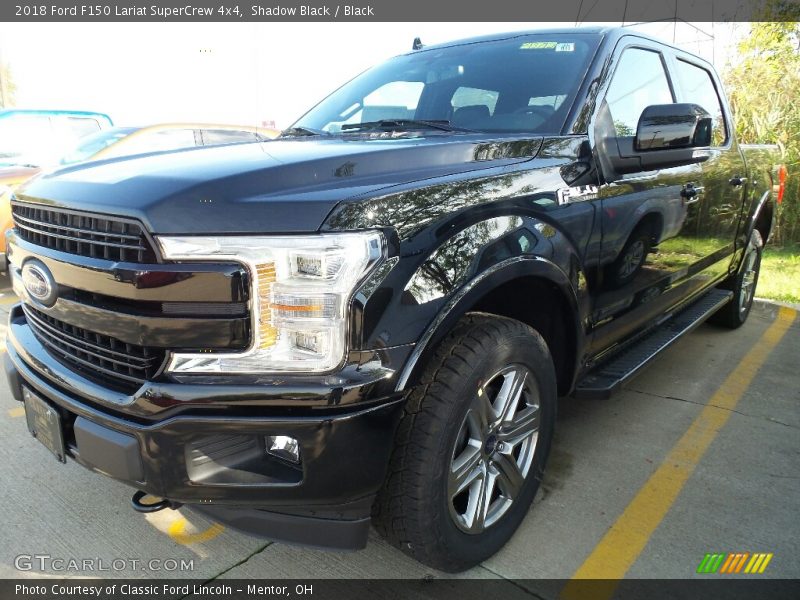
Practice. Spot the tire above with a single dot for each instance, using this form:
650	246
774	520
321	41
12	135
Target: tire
625	268
419	509
743	284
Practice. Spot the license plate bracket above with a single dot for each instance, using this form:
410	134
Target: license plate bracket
44	423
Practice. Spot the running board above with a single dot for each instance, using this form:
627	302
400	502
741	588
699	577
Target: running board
606	377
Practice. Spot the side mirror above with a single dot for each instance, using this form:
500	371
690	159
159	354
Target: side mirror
668	126
667	135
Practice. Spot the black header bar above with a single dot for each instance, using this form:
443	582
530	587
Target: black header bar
572	12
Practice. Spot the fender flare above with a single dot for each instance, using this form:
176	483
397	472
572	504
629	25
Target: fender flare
766	198
465	297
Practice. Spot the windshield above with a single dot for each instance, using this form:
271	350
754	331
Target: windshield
523	84
26	140
92	144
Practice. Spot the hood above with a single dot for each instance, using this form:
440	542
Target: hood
279	186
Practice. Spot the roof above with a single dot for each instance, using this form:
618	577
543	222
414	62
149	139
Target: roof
494	37
4	112
611	32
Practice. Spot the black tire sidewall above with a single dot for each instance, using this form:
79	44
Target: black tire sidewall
531	352
618	280
759	249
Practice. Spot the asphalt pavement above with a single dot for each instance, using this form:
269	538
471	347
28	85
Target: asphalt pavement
699	454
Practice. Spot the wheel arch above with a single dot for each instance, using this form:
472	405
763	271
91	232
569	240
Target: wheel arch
654	221
542	289
763	217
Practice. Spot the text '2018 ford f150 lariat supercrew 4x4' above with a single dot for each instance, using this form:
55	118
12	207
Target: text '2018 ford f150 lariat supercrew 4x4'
371	317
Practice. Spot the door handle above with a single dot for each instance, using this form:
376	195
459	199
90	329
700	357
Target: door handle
691	193
736	181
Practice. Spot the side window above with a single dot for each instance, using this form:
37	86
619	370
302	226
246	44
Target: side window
697	87
550	101
467	96
472	107
639	82
159	141
212	137
171	139
395	100
81	126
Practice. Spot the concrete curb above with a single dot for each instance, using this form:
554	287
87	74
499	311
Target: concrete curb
770	307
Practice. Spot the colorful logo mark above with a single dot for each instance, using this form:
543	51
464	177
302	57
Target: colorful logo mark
735	562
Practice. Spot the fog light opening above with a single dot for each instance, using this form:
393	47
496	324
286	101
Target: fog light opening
284	447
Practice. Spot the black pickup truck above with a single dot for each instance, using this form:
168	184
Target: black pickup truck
370	318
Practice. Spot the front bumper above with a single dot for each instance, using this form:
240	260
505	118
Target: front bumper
216	459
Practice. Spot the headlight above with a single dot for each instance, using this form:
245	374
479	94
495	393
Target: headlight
301	289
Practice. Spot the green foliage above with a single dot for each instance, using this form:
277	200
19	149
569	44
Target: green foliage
764	92
780	274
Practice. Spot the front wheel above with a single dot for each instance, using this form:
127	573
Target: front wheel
735	313
472	445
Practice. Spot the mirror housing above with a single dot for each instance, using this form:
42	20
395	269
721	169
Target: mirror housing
669	126
667	135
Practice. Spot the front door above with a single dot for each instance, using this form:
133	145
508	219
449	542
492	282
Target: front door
653	230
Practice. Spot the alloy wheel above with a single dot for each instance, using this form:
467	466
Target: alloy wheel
632	259
749	273
494	449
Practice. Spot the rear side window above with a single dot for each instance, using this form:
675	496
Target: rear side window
212	137
697	87
639	81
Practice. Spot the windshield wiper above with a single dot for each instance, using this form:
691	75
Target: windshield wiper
302	132
404	124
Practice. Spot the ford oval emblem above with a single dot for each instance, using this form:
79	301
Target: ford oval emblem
39	283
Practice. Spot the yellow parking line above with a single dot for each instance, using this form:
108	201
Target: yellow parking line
623	543
12	299
19	411
177	531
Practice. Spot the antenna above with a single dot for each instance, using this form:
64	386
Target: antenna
417	45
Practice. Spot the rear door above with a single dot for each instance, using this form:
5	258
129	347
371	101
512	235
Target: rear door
723	174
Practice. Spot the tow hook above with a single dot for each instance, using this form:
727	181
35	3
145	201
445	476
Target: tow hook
142	507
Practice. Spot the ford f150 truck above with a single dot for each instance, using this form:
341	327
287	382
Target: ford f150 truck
370	318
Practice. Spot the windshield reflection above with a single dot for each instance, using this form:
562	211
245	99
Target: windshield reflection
525	83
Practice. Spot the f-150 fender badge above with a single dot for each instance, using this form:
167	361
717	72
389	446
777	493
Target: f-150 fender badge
578	193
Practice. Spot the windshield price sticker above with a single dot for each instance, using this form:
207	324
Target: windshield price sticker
557	46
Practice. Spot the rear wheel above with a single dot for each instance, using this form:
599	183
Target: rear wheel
472	445
624	269
735	313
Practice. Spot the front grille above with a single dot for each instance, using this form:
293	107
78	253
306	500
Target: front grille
97	357
84	234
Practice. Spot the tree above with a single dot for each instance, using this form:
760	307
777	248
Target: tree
7	87
764	91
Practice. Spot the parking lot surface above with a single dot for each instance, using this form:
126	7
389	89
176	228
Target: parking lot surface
699	454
